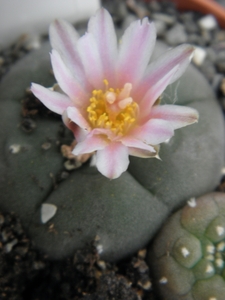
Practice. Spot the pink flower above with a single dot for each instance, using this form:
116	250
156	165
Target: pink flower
109	96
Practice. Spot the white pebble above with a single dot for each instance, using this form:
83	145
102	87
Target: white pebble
192	202
223	171
199	56
99	249
47	212
208	22
163	280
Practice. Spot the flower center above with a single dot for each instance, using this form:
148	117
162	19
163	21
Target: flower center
113	109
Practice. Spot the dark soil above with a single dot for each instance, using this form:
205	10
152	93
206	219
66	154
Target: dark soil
25	273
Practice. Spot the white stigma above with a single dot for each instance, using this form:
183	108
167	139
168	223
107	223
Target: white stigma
220	230
192	202
212	298
125	93
185	252
163	280
110	97
123	103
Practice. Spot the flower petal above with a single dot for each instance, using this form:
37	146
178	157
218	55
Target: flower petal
76	116
135	50
153	132
63	38
91	60
178	57
79	133
177	116
143	153
54	101
90	144
102	28
135	143
154	92
113	160
66	80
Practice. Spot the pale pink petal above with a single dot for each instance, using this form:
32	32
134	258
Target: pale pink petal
135	143
178	57
154	132
113	160
177	116
77	116
66	80
135	50
79	133
54	101
90	144
102	28
91	60
142	153
63	38
154	92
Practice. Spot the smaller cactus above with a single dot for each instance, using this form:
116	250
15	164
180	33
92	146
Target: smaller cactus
188	255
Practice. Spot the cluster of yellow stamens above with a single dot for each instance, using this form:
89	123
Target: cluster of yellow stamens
113	109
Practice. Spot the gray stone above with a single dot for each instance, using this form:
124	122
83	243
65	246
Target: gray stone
167	19
176	35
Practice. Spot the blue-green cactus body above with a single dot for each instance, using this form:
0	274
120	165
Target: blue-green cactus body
125	213
200	252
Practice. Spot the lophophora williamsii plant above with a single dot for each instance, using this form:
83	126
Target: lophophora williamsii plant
110	97
117	107
187	257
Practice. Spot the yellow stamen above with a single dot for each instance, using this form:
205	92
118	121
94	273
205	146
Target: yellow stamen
113	109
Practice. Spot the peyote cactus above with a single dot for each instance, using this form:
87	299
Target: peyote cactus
120	215
187	256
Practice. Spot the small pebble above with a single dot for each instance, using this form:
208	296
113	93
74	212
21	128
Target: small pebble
160	28
199	56
48	211
168	20
142	253
101	264
8	247
176	35
208	22
145	284
72	165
